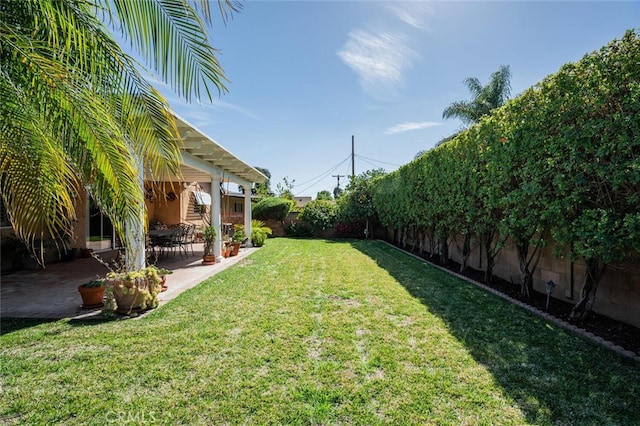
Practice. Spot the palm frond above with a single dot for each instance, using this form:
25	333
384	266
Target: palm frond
77	111
173	39
485	98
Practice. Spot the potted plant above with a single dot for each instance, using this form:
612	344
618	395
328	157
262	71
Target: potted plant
92	293
237	239
69	254
209	234
259	232
162	273
134	291
225	250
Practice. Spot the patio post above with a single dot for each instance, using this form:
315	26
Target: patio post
216	203
247	214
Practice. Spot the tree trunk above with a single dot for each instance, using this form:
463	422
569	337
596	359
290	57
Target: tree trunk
444	250
492	247
466	251
527	265
413	241
589	288
526	278
432	244
487	239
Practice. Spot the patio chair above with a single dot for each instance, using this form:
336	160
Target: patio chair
188	237
173	242
151	244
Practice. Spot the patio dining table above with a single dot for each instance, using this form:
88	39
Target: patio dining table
160	233
160	238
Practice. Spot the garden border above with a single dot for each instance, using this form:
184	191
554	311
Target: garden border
582	332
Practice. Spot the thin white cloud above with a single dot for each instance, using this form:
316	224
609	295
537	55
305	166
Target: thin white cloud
244	111
379	60
409	126
412	13
203	114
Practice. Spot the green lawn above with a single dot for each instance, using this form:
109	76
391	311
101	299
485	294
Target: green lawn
316	332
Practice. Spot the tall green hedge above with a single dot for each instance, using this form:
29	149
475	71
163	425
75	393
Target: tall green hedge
273	208
561	161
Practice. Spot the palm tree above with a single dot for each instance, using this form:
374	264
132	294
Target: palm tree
77	112
485	98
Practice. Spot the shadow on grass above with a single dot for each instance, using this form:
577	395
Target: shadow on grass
553	375
9	325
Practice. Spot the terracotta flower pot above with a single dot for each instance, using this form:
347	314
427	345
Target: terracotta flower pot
127	302
136	297
165	287
208	259
91	296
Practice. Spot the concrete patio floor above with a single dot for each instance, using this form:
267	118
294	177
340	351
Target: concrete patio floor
53	292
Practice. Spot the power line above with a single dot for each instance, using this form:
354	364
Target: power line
369	162
320	177
323	174
377	161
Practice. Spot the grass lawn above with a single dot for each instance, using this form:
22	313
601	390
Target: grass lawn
316	332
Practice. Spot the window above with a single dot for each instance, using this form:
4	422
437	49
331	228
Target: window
200	202
238	207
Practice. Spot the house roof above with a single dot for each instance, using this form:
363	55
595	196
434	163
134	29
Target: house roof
204	154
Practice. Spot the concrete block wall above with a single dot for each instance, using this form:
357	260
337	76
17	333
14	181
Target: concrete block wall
618	294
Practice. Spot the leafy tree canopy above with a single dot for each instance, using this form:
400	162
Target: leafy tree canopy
324	195
356	203
260	190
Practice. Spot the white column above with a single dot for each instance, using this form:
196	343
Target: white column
216	203
247	214
134	232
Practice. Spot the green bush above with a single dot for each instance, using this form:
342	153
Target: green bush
259	232
273	208
319	215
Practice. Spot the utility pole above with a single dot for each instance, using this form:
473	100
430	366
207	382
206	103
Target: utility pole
337	190
353	155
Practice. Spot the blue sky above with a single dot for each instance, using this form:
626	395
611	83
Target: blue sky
305	76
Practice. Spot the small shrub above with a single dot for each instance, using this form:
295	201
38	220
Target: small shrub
259	232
